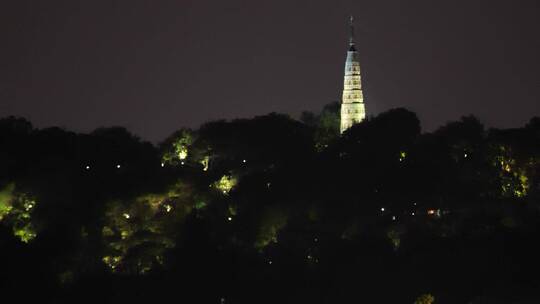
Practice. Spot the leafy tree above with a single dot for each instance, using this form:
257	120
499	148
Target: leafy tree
425	299
176	148
326	124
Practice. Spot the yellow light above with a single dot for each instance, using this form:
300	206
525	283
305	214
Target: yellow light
402	155
226	183
183	153
126	215
205	162
124	234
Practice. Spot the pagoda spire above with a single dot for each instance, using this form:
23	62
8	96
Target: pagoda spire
351	25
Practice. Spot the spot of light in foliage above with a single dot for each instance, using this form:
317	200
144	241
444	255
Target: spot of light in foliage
244	161
162	165
402	155
229	218
183	153
126	215
205	162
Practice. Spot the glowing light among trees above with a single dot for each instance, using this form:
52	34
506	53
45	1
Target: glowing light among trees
16	211
402	155
177	147
138	231
205	162
226	183
425	299
513	175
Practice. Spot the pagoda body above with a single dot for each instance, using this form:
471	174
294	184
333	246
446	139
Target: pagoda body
352	103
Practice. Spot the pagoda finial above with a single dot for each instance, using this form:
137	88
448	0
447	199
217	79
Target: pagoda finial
351	24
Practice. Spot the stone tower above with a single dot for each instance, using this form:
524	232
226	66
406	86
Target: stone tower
352	103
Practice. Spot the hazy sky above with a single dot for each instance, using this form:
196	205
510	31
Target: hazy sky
156	65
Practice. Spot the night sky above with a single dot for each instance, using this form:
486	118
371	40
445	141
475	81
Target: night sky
155	66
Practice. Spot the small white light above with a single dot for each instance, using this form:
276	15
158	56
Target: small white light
87	167
382	209
182	163
393	218
229	218
465	155
270	262
244	161
126	215
412	213
168	208
162	165
117	166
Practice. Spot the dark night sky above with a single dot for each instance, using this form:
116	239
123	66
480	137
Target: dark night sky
155	66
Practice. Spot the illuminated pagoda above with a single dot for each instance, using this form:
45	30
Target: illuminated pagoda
352	104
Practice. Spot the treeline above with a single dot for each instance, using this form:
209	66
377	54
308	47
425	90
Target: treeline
272	209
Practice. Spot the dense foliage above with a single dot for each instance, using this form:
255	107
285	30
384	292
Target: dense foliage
272	210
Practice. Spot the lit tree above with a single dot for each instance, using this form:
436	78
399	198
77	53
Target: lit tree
137	232
16	211
425	299
176	148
